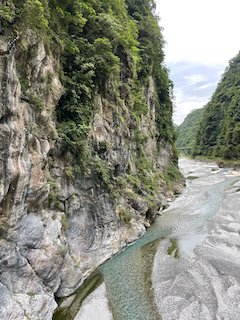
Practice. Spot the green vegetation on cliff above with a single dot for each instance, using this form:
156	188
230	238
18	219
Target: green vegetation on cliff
98	38
111	57
219	129
187	131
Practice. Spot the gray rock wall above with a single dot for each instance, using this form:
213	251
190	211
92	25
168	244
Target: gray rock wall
55	230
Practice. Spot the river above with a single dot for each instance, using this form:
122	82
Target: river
186	266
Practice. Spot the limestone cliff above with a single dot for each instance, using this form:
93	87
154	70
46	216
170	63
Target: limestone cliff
65	211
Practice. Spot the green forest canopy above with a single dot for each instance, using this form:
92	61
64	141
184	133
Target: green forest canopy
187	131
219	128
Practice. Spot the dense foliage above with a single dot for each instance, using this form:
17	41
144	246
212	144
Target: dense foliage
92	58
110	48
219	132
151	54
187	131
97	37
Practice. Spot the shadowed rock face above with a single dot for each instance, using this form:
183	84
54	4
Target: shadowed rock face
54	230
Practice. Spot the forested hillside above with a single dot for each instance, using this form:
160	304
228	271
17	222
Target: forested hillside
187	131
219	129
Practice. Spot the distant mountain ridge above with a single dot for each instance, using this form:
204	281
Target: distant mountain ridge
186	132
219	129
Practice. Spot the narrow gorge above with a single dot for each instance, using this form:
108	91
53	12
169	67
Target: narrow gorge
87	143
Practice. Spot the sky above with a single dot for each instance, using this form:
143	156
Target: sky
201	37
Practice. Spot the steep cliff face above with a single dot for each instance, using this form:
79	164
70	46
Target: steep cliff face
31	240
65	210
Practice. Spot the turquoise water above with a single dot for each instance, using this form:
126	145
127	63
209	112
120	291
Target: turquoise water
128	275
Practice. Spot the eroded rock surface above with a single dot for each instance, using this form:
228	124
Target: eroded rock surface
205	285
56	228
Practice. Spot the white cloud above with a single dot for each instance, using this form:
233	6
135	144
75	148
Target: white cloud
206	86
181	97
195	78
185	104
186	108
201	31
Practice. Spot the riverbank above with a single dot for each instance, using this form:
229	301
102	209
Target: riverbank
130	282
206	284
222	163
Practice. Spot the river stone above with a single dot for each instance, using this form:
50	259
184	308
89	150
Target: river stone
206	284
95	306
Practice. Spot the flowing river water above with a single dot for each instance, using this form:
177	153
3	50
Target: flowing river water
186	266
